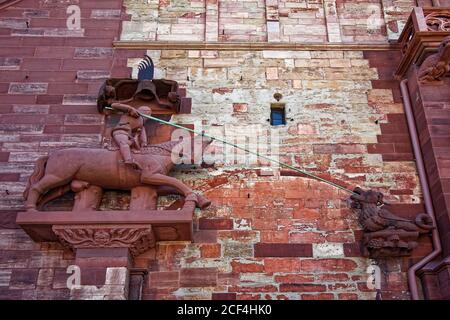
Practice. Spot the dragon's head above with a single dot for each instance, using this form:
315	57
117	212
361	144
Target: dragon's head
445	43
361	196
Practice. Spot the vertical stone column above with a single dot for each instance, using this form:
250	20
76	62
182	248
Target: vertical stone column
332	21
212	20
137	277
104	274
273	21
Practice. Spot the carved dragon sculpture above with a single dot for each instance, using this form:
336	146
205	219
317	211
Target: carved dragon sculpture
385	233
436	66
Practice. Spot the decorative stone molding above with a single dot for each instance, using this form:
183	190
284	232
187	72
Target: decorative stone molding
137	238
438	21
245	46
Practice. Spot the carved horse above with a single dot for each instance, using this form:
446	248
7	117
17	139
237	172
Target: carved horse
78	169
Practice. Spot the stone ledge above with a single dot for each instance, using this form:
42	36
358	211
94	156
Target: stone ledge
167	225
165	45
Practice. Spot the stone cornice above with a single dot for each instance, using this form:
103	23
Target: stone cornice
158	45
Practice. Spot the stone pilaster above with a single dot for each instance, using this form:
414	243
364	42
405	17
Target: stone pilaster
332	21
212	20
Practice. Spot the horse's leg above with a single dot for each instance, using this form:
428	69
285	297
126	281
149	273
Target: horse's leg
162	180
47	182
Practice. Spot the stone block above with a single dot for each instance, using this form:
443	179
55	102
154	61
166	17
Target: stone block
282	250
326	250
28	88
198	277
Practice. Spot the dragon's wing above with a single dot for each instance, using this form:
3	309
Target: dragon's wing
146	69
383	213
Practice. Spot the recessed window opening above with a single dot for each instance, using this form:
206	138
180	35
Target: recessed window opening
277	114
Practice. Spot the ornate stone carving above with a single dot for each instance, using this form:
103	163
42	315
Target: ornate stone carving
436	66
131	165
438	21
424	30
161	95
128	163
386	234
137	238
80	168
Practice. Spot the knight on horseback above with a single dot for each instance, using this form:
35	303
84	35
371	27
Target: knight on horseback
130	131
73	169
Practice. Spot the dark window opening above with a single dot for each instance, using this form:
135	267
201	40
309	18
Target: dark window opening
277	115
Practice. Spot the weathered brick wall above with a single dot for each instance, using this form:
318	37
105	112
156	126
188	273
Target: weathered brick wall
313	21
280	237
242	20
265	236
165	20
361	21
302	21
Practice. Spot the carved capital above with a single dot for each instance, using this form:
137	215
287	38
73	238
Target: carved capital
438	21
137	238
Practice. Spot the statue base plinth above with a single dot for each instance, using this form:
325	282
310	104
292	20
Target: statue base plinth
166	225
106	242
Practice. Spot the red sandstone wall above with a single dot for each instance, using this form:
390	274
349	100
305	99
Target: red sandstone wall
49	79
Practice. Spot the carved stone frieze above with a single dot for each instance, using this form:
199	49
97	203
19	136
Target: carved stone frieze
137	238
438	21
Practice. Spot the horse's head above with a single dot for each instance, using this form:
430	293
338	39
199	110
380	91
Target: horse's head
361	197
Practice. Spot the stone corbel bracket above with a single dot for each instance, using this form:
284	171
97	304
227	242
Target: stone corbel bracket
137	238
137	230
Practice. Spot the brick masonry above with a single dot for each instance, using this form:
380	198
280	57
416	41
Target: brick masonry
314	21
49	79
266	236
